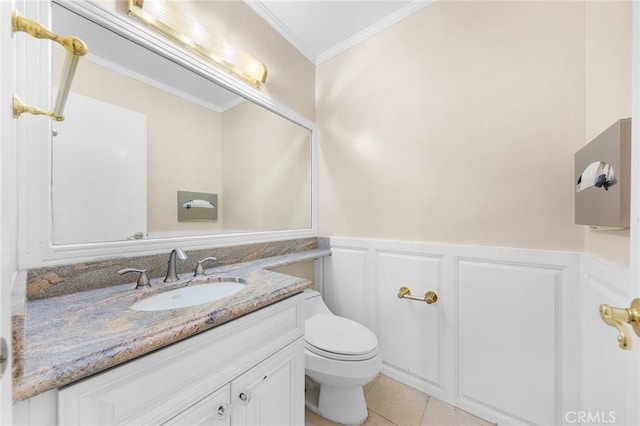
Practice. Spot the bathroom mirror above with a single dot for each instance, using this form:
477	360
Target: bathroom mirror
141	127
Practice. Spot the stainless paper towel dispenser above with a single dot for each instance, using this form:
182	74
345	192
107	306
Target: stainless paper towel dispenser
603	178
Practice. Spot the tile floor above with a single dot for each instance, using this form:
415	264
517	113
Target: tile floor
393	403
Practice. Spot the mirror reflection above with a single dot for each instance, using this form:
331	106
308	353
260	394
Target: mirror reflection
141	130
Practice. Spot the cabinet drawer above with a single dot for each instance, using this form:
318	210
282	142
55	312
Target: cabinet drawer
212	410
153	388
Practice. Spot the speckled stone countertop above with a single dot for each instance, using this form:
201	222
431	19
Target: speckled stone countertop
69	337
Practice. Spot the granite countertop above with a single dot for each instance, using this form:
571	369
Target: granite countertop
67	338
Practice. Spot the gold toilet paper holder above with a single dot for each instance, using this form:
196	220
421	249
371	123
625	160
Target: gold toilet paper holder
429	297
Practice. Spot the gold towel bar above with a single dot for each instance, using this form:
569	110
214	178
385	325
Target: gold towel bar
429	297
74	47
616	316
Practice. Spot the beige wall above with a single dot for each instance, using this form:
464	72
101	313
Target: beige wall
458	124
302	270
291	77
183	141
266	173
608	97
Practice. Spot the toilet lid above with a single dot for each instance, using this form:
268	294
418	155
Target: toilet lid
339	338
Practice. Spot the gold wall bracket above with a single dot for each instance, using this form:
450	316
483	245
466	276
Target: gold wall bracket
615	317
429	298
75	49
20	108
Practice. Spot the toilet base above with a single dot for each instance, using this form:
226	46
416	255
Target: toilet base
344	405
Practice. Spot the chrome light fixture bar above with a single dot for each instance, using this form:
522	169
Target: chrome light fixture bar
165	18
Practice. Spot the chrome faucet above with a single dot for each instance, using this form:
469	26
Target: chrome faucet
171	269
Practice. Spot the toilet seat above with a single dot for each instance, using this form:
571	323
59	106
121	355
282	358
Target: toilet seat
340	357
339	338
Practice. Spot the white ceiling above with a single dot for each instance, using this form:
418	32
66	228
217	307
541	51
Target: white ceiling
323	29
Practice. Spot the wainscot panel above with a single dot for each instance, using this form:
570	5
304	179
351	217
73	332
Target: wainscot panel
400	318
345	284
502	340
508	338
602	383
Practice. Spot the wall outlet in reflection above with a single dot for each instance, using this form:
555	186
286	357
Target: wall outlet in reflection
197	206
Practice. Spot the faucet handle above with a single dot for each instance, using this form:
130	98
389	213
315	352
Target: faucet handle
199	269
143	279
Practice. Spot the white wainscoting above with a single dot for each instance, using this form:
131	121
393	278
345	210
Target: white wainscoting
347	266
399	319
604	368
502	340
508	343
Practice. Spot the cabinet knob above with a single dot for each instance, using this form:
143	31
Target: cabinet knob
223	410
245	397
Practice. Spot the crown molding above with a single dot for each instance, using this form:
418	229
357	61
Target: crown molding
263	10
372	30
265	13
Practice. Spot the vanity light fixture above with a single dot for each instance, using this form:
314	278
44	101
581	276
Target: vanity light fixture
164	17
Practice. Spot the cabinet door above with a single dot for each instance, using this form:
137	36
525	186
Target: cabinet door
212	410
271	393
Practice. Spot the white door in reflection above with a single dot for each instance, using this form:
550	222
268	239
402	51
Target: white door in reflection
99	173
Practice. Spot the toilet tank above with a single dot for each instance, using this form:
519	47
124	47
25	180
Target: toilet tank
313	304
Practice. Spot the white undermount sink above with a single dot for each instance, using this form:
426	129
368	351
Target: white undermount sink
201	291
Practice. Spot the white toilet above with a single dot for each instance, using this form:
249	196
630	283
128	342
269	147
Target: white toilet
340	357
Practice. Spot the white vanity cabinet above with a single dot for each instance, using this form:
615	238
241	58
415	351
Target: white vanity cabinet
249	371
214	409
269	393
